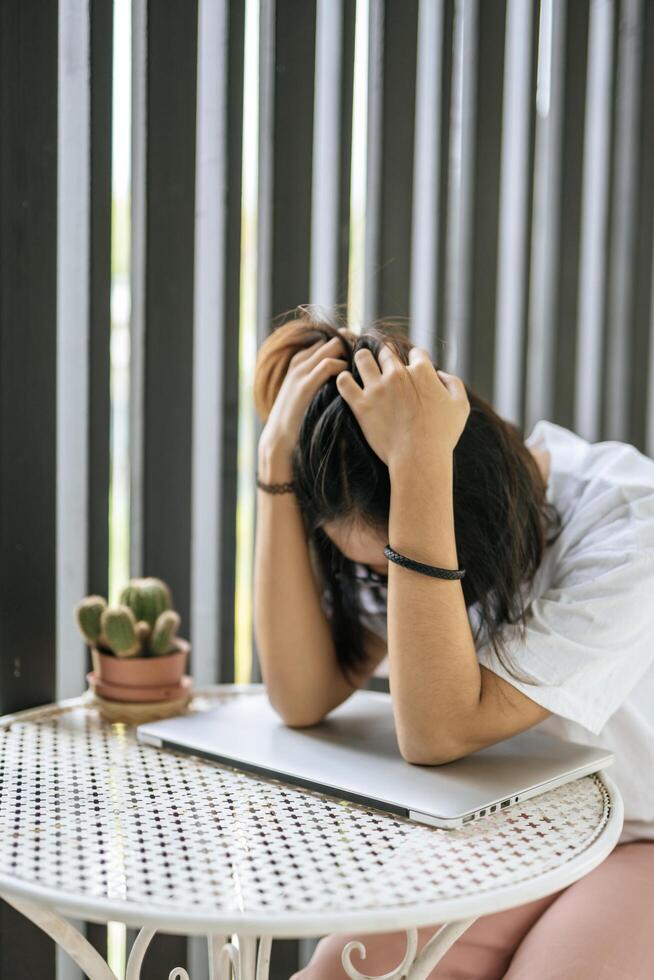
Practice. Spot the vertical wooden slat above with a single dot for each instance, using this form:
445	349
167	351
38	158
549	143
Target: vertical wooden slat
460	201
546	222
375	97
486	176
594	214
513	219
137	267
576	57
73	223
620	270
287	38
345	148
161	519
447	56
137	274
397	144
265	168
332	147
216	341
641	414
28	334
326	177
73	220
101	57
425	283
391	124
332	142
170	181
287	32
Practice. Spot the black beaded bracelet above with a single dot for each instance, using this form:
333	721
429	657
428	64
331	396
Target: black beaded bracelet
288	487
418	566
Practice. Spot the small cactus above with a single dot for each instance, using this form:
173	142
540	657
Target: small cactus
88	613
143	624
164	632
119	627
147	598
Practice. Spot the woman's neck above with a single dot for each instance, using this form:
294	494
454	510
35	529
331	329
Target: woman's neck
542	458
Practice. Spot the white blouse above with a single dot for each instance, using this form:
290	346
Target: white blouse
588	650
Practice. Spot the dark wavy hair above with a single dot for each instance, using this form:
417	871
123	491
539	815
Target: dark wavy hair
502	519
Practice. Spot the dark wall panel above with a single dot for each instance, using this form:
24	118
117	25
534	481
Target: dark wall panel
172	27
28	303
294	60
397	140
231	321
576	57
642	296
488	145
171	91
101	54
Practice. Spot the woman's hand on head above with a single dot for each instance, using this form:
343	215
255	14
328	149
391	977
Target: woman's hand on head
405	411
308	369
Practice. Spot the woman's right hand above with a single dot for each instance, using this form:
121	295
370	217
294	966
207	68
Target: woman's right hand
308	369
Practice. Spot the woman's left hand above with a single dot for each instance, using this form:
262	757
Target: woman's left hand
405	411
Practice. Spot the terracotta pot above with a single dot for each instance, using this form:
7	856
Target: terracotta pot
142	678
134	692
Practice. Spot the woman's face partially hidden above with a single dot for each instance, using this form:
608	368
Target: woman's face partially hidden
359	543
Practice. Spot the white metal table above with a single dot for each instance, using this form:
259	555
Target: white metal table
94	825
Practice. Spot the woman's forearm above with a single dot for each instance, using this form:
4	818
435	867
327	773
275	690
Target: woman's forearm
296	649
434	673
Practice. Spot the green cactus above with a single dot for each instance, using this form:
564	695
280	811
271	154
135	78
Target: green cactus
119	627
147	598
142	625
87	614
143	633
164	632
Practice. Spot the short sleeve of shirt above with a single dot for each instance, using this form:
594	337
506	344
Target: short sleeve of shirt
589	637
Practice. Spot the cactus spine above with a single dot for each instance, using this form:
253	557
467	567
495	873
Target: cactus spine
164	632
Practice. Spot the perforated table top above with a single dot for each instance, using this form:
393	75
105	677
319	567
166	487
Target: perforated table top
98	825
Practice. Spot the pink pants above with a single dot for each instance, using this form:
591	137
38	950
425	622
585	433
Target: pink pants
600	928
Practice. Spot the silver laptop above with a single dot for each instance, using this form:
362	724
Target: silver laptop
354	755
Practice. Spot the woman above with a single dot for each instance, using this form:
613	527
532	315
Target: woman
366	444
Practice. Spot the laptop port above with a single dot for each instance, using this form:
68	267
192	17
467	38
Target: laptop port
505	803
482	813
493	808
470	817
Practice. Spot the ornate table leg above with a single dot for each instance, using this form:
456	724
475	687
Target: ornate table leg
247	962
433	951
218	968
137	952
414	966
66	936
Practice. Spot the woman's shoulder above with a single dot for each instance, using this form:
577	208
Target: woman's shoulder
609	459
595	485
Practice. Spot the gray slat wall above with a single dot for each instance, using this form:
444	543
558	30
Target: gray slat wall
509	218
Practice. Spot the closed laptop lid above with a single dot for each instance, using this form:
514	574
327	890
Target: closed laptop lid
354	754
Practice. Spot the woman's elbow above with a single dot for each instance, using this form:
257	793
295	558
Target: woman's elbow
437	753
298	716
